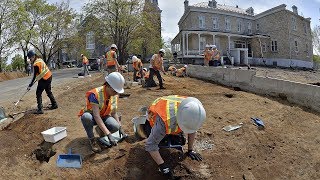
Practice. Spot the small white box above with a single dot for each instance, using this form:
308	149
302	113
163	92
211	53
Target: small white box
54	134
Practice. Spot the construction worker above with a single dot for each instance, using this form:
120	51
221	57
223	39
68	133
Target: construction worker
42	74
112	64
207	55
156	65
172	115
215	55
101	110
181	72
137	67
85	63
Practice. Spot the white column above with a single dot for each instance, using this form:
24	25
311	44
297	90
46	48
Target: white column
229	43
199	42
187	43
214	39
246	62
183	44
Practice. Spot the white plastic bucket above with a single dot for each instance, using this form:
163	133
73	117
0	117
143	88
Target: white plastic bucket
54	134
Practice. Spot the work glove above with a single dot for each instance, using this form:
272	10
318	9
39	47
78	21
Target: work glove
122	133
194	155
28	88
165	171
113	142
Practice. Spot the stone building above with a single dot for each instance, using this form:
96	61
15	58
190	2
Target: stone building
278	36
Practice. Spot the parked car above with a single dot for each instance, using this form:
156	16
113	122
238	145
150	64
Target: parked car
70	63
93	64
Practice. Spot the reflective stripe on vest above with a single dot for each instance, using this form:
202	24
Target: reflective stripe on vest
110	58
107	105
166	108
136	65
44	71
157	62
85	60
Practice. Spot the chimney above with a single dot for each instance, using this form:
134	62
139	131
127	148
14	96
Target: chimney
237	6
250	11
186	4
294	9
210	4
214	4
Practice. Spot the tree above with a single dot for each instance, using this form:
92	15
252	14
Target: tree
51	24
119	19
17	62
316	39
8	27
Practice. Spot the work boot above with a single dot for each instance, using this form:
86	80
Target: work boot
161	87
39	102
53	106
39	111
94	145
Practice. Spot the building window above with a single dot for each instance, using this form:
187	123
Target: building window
274	46
202	22
228	24
296	46
305	28
294	23
215	23
202	43
90	40
264	47
239	25
257	26
249	28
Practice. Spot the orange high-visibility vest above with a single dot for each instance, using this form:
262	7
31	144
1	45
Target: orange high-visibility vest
207	55
158	60
137	65
111	61
85	60
44	72
166	108
216	55
107	104
180	71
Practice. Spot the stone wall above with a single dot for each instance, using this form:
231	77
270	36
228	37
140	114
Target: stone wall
302	94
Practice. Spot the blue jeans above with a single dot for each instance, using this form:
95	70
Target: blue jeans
88	123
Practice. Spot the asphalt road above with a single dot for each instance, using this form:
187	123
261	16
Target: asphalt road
12	90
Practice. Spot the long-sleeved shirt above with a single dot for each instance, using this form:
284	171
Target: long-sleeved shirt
35	72
158	132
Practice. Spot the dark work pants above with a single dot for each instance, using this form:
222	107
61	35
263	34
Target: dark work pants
44	85
152	72
135	78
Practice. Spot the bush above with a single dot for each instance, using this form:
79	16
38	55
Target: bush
316	58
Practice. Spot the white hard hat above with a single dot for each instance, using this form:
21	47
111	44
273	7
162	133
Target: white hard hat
145	69
114	46
185	66
207	46
191	115
116	81
162	50
214	46
134	58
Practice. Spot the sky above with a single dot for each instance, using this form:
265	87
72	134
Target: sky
172	10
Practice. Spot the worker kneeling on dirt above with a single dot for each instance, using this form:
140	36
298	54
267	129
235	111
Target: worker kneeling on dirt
173	115
101	110
137	68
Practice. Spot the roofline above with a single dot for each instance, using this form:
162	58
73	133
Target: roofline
270	11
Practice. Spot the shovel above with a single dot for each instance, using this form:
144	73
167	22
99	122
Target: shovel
15	104
69	160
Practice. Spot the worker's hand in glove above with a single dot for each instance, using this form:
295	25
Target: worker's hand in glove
113	142
165	171
194	155
28	88
122	133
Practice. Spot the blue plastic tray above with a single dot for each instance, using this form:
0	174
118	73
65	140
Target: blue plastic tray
69	160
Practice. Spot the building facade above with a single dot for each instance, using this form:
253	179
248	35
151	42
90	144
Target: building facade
274	37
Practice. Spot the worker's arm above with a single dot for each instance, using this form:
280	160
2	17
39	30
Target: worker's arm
115	56
35	71
97	118
116	117
152	61
158	132
191	153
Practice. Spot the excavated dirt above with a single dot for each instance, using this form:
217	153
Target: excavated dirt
288	147
11	75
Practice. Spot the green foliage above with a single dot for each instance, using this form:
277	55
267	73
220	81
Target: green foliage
316	58
8	67
17	62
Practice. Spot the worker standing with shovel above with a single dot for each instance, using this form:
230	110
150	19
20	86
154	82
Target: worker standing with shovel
43	75
156	65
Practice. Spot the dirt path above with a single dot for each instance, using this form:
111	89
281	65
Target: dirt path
287	149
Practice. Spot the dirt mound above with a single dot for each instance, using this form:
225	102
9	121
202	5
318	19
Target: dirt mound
288	148
11	75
